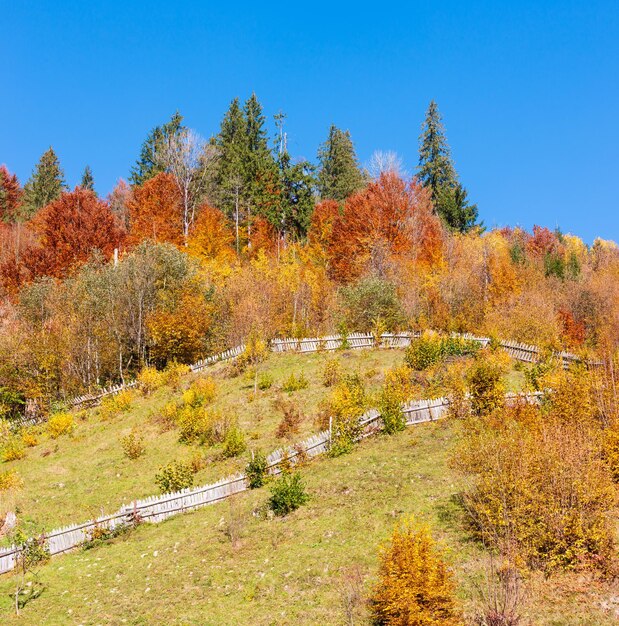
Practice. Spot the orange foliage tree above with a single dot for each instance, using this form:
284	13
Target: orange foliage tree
69	230
10	195
211	236
390	218
156	212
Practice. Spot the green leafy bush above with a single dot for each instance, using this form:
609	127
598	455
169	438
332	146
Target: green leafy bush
295	383
234	443
257	470
431	348
174	476
265	381
287	494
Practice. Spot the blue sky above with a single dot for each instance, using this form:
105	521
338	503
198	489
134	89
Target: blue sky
529	91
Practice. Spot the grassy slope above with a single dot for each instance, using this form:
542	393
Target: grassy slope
71	479
284	571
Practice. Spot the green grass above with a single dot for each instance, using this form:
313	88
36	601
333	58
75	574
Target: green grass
73	478
292	570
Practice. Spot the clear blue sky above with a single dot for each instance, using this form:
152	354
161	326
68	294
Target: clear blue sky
529	91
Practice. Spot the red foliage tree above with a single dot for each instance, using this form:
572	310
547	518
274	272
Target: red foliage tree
10	195
69	230
156	211
389	218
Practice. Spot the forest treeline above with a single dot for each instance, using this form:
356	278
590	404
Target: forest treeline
211	241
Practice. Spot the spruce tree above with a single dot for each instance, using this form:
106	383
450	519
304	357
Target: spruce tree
149	164
339	174
88	181
230	184
297	184
260	168
45	185
436	171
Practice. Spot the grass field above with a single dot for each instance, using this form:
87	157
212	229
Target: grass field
303	569
73	478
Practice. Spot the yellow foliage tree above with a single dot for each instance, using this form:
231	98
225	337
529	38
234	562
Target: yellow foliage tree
415	588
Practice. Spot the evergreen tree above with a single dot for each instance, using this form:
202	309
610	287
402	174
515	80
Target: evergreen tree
297	184
339	173
260	168
149	164
88	181
230	184
45	185
437	172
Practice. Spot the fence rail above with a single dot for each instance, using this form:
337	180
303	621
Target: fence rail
158	508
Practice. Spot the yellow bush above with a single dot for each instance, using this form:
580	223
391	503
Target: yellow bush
331	372
10	480
201	392
115	404
13	450
414	587
133	445
538	481
30	437
610	449
486	385
60	424
173	373
150	379
347	403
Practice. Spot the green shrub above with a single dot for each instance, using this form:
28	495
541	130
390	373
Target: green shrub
257	470
174	476
431	348
287	494
295	383
371	299
265	381
234	443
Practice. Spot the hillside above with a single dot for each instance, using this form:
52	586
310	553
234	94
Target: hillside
229	563
300	569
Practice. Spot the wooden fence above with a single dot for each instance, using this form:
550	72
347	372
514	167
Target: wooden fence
518	351
158	508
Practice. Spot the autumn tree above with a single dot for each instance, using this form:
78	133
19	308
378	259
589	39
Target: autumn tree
149	164
339	174
70	229
188	159
415	587
437	172
118	199
156	211
211	236
389	218
11	195
44	185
